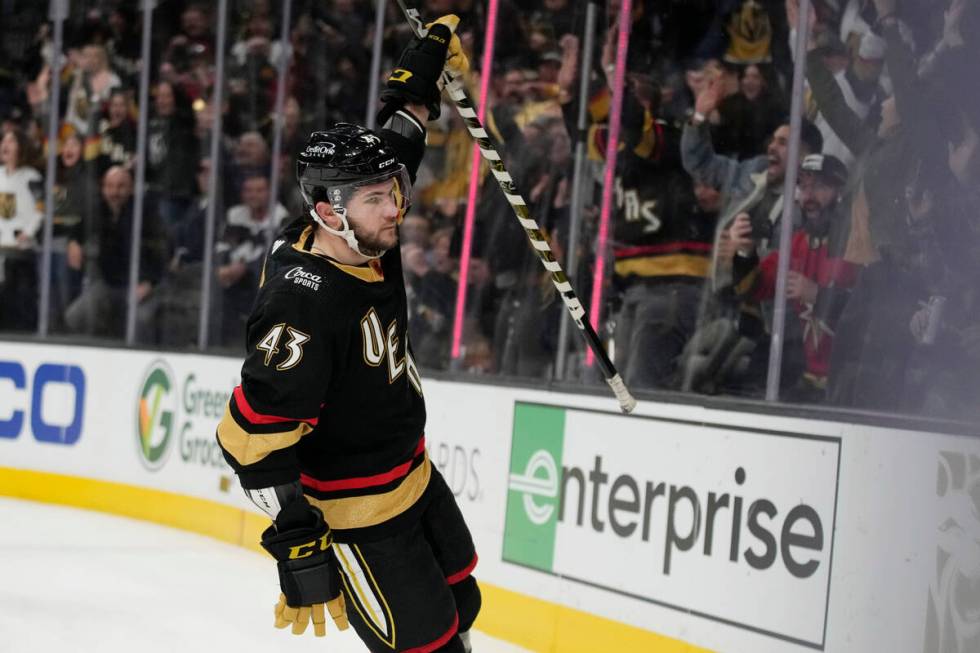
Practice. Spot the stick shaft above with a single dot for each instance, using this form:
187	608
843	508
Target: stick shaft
465	107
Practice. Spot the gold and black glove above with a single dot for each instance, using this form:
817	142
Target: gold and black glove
457	63
300	542
416	78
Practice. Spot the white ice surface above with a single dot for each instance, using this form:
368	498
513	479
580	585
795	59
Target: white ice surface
76	581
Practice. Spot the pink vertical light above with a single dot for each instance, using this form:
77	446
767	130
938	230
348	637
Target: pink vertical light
464	259
612	142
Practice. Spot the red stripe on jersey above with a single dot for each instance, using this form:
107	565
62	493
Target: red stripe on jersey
645	250
461	575
260	418
439	643
360	482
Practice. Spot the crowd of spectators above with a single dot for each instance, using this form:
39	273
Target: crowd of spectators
882	312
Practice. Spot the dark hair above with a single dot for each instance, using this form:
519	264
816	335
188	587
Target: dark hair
768	74
183	108
810	137
26	152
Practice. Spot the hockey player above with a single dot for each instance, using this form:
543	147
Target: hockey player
325	431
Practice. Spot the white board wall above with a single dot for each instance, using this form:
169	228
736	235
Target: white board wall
823	535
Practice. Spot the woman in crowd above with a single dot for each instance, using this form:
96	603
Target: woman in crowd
172	153
20	217
75	197
748	117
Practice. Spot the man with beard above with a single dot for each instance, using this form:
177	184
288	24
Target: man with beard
818	284
753	186
325	431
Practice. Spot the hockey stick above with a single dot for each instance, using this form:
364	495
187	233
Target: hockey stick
465	107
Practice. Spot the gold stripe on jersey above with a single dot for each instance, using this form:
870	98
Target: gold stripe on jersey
249	448
686	265
373	509
372	272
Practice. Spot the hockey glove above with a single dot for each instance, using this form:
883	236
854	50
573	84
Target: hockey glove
308	575
457	63
416	78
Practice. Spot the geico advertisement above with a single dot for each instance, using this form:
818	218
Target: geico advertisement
727	524
119	413
45	400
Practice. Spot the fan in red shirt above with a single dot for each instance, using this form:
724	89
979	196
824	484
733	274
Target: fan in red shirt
818	284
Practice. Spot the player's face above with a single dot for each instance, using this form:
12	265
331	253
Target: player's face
373	214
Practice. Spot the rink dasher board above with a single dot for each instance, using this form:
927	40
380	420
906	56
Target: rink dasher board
585	511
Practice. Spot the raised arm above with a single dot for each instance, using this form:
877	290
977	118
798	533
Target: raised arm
412	94
698	154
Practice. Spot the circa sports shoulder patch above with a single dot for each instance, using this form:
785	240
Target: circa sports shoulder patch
304	278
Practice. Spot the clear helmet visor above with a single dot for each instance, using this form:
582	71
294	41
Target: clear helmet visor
376	193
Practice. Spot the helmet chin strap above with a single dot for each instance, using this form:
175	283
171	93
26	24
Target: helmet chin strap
346	233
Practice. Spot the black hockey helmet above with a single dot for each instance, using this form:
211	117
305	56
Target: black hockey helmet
337	161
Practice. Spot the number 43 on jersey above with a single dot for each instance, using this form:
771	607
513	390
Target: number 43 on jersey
294	345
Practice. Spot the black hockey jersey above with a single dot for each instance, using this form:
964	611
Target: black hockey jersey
657	232
330	392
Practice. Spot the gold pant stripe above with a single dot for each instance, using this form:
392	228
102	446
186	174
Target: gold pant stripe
361	585
373	584
249	448
373	509
358	580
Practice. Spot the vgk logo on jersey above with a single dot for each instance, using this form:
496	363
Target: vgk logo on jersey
381	344
8	206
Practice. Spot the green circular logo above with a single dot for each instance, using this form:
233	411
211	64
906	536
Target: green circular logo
156	415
